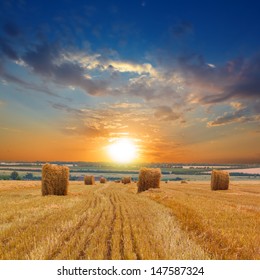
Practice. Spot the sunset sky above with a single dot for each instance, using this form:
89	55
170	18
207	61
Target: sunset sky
181	79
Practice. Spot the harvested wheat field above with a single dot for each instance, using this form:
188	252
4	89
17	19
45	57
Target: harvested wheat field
112	221
226	223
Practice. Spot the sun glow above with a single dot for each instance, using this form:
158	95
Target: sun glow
122	150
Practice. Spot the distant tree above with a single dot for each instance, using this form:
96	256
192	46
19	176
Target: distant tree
28	176
14	176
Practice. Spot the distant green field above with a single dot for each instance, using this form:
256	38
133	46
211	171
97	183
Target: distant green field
116	171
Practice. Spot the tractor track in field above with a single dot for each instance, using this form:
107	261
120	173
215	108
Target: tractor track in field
68	233
122	201
113	201
122	254
134	240
84	224
82	252
121	228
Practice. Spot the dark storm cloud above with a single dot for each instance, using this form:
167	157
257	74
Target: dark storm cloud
47	61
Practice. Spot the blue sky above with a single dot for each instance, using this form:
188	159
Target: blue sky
180	78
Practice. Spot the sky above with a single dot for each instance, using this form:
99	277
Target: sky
180	78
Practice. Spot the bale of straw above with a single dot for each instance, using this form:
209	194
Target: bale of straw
117	181
55	179
149	178
219	180
103	180
126	180
184	182
89	180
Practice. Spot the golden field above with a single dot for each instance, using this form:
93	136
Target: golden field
112	221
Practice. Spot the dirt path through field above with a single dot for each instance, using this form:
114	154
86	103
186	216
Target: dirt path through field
107	221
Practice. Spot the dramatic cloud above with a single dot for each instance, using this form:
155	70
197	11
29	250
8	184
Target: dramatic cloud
248	83
239	78
102	63
44	60
188	82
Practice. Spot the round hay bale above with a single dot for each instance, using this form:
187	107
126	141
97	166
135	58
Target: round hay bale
219	180
103	180
89	180
149	178
55	179
126	180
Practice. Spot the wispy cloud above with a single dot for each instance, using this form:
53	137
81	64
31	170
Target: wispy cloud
7	77
66	108
7	50
238	116
165	113
124	105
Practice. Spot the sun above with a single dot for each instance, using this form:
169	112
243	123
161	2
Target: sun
122	150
